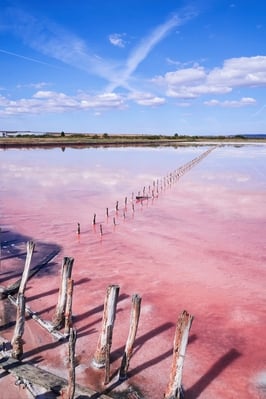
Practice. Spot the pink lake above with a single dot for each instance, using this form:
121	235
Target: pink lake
198	245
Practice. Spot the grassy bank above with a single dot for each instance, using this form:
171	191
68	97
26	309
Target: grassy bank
76	140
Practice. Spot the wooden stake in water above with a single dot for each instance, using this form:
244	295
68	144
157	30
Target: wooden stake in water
174	389
25	275
17	341
78	230
71	364
68	310
59	317
105	338
134	321
94	219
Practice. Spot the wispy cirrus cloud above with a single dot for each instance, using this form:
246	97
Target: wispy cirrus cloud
53	41
142	50
56	42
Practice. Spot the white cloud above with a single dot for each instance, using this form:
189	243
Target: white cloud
51	101
244	101
196	81
117	39
146	99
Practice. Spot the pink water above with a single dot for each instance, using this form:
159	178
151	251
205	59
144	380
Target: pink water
199	246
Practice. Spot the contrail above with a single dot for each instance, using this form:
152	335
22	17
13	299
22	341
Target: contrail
25	58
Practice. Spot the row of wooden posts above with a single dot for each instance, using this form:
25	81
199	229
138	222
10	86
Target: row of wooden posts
62	319
151	192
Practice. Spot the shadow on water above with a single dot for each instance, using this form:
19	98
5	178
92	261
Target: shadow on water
97	309
140	341
221	364
13	246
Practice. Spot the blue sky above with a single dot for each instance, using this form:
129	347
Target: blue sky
133	66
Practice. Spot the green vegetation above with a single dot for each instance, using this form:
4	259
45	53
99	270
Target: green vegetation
18	139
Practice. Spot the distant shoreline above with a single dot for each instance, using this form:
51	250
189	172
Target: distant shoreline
105	140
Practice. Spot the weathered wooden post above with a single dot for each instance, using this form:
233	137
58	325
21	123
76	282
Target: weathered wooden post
134	321
94	219
25	275
99	359
68	310
17	342
78	229
107	355
101	230
59	317
174	389
107	212
116	206
71	364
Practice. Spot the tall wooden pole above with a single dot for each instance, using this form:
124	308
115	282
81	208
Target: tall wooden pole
133	327
174	389
105	339
59	316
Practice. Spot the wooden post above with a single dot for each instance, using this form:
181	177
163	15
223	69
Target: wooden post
134	321
107	355
78	230
174	389
59	317
71	364
99	359
68	311
25	275
107	212
17	342
94	219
